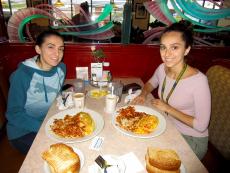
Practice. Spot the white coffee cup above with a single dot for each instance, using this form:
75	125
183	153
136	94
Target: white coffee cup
79	100
111	103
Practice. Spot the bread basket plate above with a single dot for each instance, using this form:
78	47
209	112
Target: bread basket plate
156	132
118	165
97	93
182	168
76	150
98	120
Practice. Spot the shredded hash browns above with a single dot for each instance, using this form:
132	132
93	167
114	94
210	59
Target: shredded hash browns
78	125
136	122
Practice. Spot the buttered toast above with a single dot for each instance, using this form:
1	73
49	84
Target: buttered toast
61	158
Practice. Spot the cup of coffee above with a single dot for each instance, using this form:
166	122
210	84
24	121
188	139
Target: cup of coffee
79	100
111	103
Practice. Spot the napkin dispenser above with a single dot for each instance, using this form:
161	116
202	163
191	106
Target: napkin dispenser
133	86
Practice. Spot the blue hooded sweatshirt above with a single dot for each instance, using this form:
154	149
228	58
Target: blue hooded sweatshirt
32	91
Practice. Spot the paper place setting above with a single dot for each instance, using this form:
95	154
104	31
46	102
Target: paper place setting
130	162
133	165
96	143
65	100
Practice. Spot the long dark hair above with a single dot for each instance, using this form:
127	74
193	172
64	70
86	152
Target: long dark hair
185	28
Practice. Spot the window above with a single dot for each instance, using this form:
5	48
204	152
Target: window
11	6
95	8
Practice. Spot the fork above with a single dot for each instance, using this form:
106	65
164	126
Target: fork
102	163
64	101
64	98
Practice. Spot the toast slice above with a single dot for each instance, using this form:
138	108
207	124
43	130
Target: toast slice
61	158
165	159
152	169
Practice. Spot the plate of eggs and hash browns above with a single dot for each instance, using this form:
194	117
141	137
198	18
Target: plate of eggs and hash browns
139	121
71	126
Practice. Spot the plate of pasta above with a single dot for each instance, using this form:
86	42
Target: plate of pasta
139	121
71	126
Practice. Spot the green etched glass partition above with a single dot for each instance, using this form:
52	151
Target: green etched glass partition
90	32
25	21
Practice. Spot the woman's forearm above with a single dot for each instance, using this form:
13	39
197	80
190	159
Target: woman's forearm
187	119
146	89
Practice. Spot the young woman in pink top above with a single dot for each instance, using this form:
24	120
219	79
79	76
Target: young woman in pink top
183	90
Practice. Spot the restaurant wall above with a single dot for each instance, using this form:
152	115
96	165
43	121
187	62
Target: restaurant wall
125	60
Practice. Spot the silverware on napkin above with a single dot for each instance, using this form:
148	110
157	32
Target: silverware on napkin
64	98
102	163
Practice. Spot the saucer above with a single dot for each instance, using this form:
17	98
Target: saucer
97	93
109	112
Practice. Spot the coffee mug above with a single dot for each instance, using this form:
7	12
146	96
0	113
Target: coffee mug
79	100
111	103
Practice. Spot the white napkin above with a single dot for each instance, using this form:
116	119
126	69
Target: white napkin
68	103
132	95
133	165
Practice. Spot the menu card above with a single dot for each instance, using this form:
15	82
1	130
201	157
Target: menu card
96	71
82	73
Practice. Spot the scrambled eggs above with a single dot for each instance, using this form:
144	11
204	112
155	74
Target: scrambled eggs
146	124
88	122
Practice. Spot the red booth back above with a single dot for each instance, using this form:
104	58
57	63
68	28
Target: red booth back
125	60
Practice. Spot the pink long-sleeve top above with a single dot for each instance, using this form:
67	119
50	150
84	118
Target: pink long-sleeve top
191	96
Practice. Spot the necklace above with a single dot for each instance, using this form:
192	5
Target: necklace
174	85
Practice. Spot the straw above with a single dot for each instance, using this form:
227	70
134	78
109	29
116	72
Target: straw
100	85
112	89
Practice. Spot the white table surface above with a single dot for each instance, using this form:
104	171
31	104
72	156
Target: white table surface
115	142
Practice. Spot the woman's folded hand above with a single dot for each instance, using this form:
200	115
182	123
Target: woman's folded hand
138	100
159	104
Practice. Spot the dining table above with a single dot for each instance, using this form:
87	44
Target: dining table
115	142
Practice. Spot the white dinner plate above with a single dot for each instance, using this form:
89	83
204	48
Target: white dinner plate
80	154
182	168
99	124
159	129
118	165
